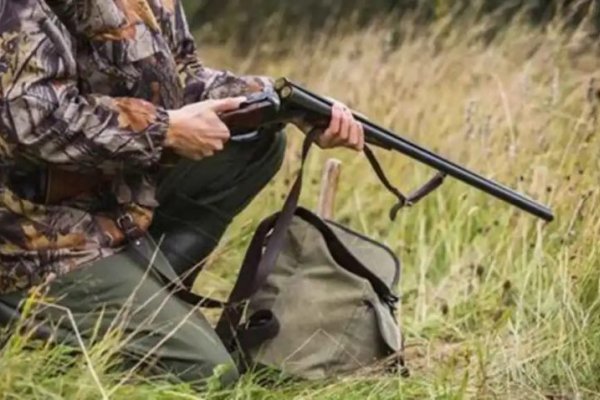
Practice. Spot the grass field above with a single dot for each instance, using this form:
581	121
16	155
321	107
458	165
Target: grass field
496	304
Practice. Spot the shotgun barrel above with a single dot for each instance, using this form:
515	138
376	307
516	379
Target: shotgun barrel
296	98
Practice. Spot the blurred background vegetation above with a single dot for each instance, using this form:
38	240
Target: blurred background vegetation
243	21
495	305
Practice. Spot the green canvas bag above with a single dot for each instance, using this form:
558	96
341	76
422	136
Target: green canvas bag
333	296
315	299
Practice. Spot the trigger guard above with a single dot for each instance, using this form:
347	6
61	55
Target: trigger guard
248	137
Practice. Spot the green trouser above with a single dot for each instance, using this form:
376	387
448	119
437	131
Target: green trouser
125	293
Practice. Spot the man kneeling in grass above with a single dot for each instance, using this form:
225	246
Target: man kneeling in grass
94	97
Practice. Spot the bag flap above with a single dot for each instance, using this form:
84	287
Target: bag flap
345	258
379	258
388	326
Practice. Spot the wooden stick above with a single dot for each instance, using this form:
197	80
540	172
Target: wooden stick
329	185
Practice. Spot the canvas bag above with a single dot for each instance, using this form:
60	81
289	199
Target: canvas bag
322	312
316	299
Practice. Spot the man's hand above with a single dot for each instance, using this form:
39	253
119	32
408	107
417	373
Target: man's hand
196	131
343	130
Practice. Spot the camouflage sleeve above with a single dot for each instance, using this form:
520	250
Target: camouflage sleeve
44	116
201	82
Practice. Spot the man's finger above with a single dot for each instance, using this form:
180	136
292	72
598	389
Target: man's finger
223	134
361	137
224	105
207	153
220	130
336	119
217	145
326	138
346	125
354	138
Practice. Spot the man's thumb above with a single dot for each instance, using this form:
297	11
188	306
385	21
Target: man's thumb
229	104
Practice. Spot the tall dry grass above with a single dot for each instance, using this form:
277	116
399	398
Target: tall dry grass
495	303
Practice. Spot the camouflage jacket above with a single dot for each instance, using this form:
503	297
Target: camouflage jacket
84	86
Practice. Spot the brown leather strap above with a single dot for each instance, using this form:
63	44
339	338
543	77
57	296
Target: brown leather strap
403	201
427	188
258	264
60	184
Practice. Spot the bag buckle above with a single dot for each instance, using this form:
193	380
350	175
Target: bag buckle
129	228
391	300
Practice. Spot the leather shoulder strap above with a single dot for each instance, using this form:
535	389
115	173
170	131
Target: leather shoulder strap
265	247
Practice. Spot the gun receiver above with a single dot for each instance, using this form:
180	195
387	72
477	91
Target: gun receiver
259	109
291	101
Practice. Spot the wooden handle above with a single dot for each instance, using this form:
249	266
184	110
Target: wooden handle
329	185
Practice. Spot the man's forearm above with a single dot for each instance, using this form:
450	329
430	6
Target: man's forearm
90	132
